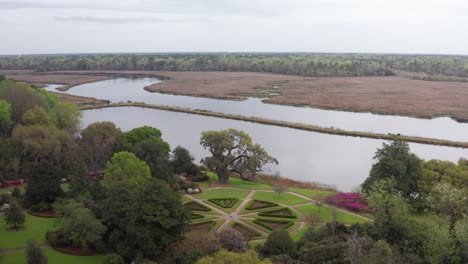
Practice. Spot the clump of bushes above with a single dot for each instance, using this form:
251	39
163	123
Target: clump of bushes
351	201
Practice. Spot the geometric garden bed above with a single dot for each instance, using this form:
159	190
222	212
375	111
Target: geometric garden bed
246	231
272	224
280	213
257	204
194	206
224	202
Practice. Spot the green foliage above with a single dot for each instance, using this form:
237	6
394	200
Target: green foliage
224	202
395	161
450	202
233	152
51	100
226	257
10	159
125	167
14	215
143	133
436	171
182	162
156	156
82	228
34	254
279	242
193	247
380	252
66	116
16	193
305	64
36	116
5	119
143	220
328	250
97	142
114	259
22	97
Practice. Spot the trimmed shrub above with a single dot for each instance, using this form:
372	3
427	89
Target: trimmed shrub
195	206
277	213
224	202
197	216
265	223
246	231
266	204
210	222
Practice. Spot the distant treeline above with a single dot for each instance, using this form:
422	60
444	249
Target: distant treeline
307	64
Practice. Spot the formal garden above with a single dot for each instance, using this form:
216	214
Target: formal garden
256	209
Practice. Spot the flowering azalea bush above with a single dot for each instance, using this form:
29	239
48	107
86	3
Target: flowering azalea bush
351	201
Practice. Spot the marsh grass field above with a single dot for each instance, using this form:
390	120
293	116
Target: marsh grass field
390	95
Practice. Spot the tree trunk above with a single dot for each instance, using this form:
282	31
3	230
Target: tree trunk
223	179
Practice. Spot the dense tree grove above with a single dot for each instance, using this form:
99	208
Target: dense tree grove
305	64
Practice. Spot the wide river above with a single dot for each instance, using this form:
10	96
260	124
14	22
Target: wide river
343	162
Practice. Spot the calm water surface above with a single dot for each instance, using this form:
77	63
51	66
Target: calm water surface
343	162
123	89
339	161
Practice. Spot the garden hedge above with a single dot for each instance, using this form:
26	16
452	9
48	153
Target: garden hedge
224	202
212	224
201	207
252	232
267	205
263	223
273	213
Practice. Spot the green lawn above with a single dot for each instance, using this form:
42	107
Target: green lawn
35	228
284	198
54	257
326	214
312	193
238	183
223	193
300	234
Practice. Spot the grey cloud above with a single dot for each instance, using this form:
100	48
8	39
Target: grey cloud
123	20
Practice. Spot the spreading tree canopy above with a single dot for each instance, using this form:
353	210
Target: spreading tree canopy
233	152
125	167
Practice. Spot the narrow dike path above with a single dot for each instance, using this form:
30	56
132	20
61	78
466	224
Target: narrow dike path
299	126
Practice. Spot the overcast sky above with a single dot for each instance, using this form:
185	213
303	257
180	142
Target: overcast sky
89	26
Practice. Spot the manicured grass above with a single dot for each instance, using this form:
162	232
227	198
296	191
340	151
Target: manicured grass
284	198
238	183
298	235
326	214
34	228
223	193
312	193
54	257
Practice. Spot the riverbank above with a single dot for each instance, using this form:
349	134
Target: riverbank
312	128
379	95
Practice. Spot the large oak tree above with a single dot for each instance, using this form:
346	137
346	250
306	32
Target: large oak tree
233	152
